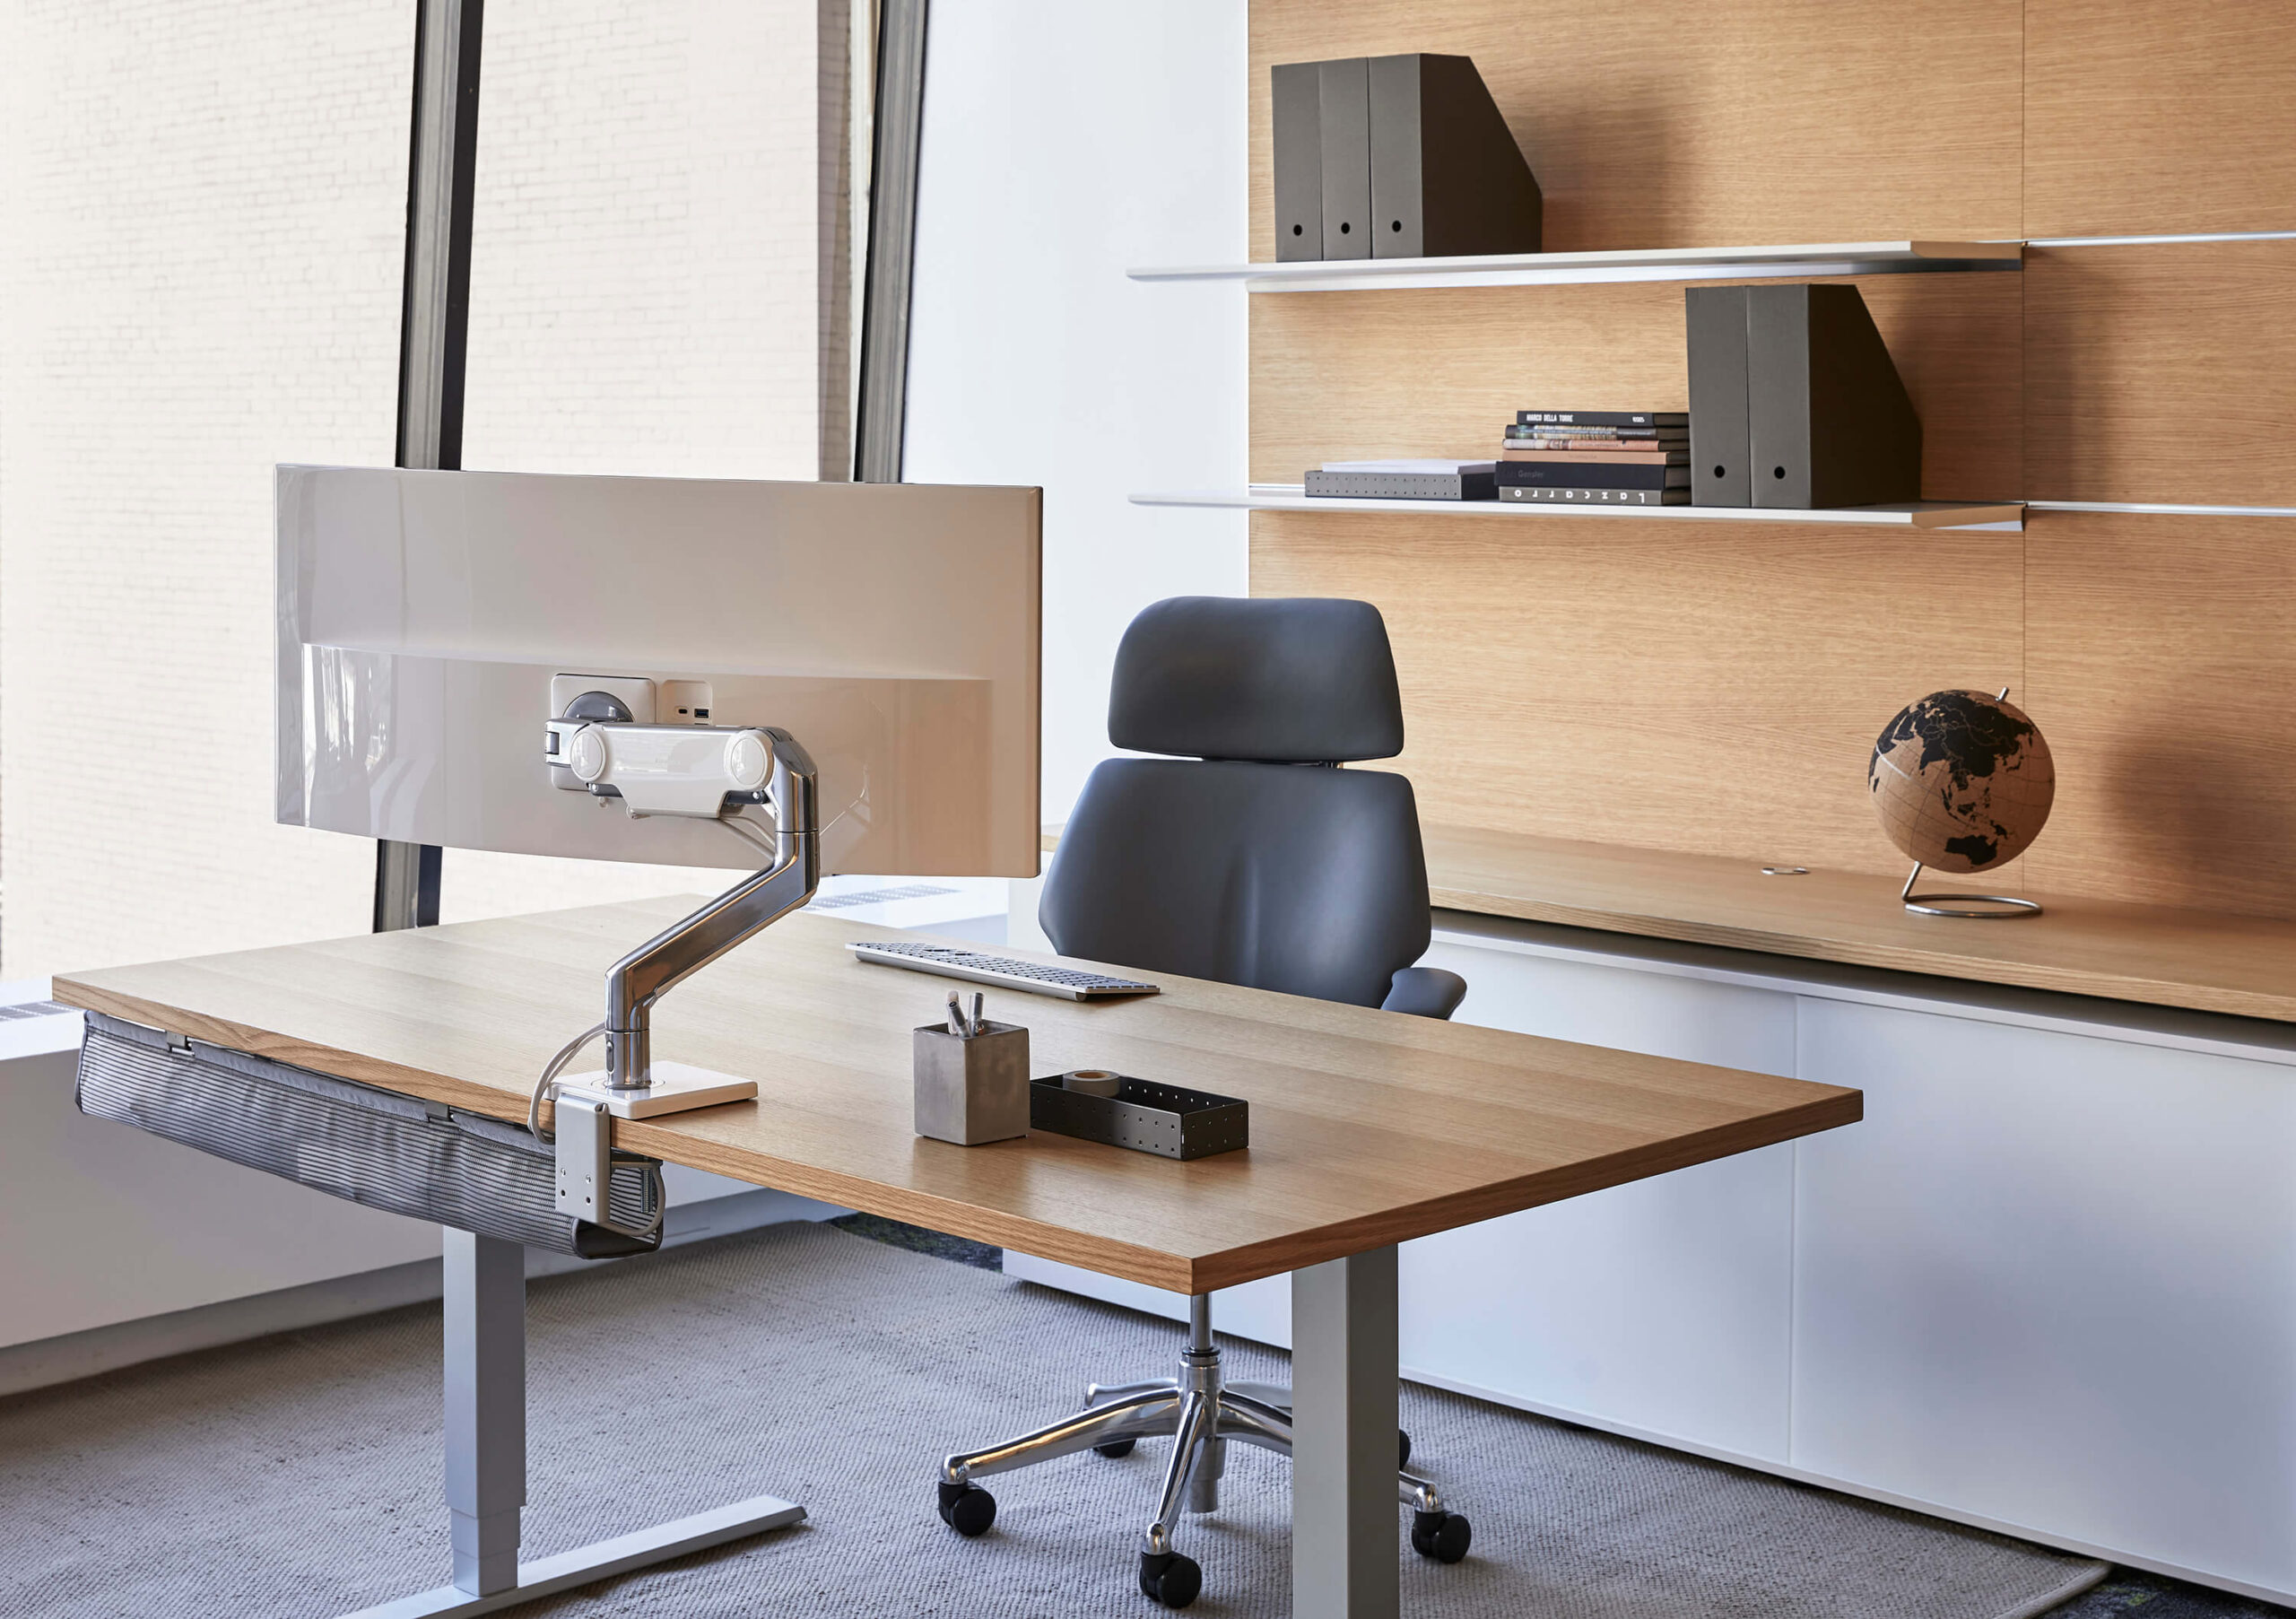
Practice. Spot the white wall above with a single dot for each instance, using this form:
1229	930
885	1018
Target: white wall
1063	144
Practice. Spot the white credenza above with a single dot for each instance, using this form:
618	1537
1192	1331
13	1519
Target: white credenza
2048	1284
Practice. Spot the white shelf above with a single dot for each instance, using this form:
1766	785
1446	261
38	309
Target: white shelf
1659	264
2006	515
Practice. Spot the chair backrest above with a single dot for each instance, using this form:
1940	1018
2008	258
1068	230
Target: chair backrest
1247	862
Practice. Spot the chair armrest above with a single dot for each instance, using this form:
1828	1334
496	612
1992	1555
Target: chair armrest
1425	992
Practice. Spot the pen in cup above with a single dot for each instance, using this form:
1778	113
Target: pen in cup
956	1016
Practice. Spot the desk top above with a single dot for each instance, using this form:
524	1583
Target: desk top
1368	1127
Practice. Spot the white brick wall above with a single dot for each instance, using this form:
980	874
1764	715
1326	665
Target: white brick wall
201	207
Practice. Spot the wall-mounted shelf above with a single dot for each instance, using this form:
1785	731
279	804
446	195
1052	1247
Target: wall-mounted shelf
1658	263
2007	516
2150	953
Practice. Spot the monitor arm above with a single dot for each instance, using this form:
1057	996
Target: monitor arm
641	978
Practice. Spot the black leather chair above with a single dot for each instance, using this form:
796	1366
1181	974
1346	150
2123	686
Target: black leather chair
1248	857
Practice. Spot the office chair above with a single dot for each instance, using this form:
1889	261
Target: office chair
1245	858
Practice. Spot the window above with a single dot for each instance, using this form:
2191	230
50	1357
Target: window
200	277
660	281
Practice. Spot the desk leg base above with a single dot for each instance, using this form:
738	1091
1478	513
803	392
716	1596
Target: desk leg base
600	1560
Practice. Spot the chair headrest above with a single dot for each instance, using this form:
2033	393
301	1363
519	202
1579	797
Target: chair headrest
1297	681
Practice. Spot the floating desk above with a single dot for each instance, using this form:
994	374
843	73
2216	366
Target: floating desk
1369	1128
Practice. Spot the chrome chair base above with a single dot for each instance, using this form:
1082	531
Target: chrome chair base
1200	1413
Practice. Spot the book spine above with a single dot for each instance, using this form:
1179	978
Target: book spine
1600	496
1602	418
1517	430
1579	475
1401	485
1599	446
1600	457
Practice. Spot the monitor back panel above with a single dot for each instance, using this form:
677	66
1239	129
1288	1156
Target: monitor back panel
890	627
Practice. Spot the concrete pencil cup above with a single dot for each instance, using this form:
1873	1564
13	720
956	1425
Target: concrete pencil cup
972	1088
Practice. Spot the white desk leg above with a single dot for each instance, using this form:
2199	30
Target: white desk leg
486	1458
1344	1374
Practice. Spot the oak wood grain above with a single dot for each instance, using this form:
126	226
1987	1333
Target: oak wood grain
1709	689
1712	123
1582	684
1440	371
2165	372
2144	120
2160	665
2151	954
1368	1127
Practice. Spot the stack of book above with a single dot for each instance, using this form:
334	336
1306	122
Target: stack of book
1597	458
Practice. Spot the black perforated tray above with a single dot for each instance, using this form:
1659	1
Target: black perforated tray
1167	1120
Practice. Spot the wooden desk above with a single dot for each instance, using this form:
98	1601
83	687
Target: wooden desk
1368	1129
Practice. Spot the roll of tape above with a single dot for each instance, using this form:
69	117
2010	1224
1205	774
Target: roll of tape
1091	1081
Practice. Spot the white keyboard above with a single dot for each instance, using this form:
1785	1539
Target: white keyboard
953	962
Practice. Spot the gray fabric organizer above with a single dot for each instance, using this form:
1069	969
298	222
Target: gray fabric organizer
352	1141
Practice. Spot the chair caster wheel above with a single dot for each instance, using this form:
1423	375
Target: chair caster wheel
1441	1536
1169	1578
1115	1447
1403	1449
967	1509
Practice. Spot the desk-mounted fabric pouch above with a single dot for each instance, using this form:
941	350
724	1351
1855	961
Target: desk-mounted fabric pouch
352	1141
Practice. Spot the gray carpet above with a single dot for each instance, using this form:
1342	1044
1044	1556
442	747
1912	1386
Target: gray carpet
299	1474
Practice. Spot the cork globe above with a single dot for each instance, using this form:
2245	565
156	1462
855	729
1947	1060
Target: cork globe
1962	780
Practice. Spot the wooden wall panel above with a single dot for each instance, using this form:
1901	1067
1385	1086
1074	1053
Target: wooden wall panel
1709	688
2162	373
1713	690
2161	659
1438	371
1707	123
2146	119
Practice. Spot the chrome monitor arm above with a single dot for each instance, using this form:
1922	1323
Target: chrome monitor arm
641	978
692	771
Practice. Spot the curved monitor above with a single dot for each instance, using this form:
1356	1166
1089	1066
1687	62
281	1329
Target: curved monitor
426	620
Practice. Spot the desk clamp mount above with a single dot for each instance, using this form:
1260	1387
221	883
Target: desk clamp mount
700	772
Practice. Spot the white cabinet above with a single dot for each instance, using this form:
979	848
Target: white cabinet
1663	1304
2048	1285
2051	1280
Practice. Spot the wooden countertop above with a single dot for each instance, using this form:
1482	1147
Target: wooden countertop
2209	962
1368	1127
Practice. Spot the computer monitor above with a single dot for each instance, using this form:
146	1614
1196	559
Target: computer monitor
891	628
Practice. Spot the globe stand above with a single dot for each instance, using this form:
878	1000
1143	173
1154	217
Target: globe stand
1964	906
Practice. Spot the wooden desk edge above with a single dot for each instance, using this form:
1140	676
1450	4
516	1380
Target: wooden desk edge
1173	1273
1250	1263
